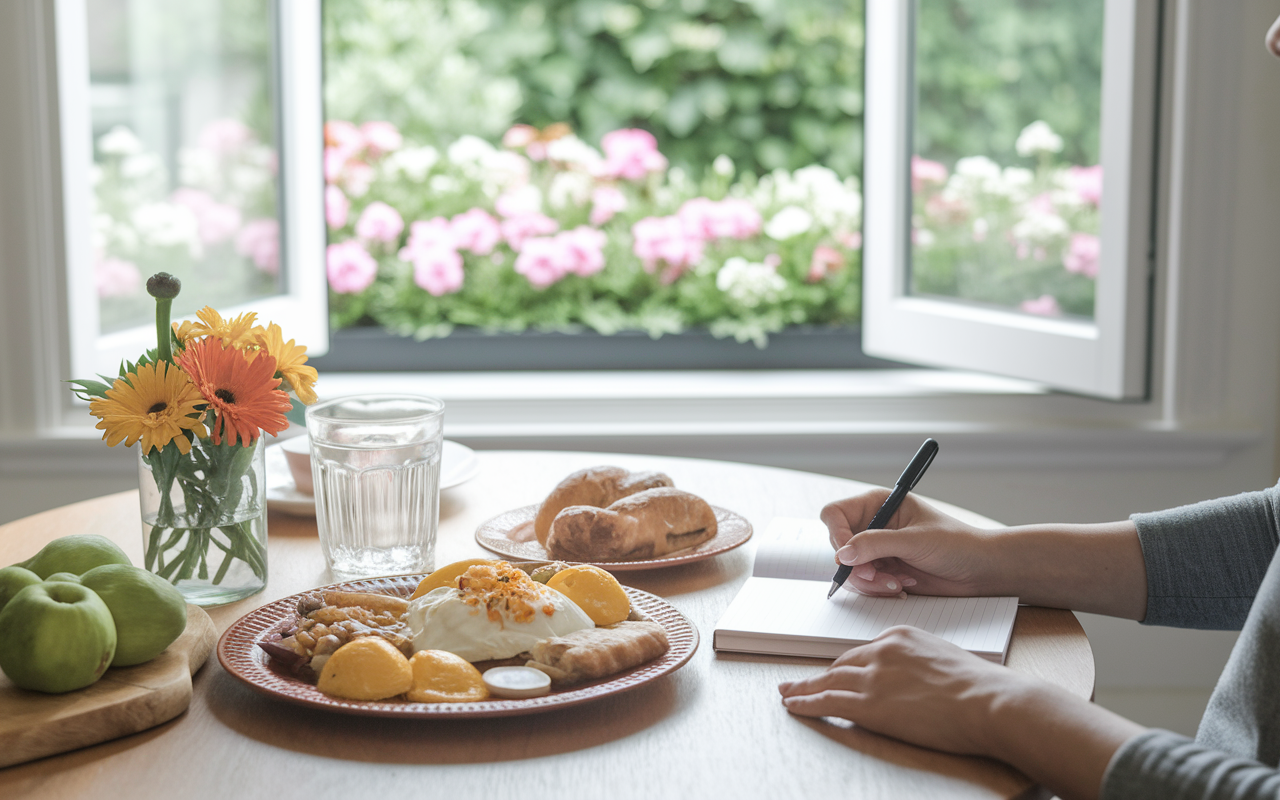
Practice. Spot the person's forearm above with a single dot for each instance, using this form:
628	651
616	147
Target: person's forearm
1057	739
1095	568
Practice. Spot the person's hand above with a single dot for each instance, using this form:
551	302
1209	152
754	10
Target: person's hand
921	550
913	686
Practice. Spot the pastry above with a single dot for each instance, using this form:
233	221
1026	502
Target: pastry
644	525
597	486
598	652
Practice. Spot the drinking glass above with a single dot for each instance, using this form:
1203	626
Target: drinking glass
375	462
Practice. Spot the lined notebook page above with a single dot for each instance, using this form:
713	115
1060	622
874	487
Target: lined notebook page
773	608
795	548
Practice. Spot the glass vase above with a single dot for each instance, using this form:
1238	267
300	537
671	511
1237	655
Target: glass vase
204	519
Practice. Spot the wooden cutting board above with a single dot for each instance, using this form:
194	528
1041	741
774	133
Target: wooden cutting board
123	701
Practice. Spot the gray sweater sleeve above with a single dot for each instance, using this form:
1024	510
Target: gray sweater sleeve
1159	765
1205	561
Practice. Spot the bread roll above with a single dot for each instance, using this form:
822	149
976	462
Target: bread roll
597	486
597	652
643	525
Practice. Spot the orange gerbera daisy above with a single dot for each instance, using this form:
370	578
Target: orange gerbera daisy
240	387
291	360
238	332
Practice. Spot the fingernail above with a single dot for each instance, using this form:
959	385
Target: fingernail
892	586
846	555
908	582
866	572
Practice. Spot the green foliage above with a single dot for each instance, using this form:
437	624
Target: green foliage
771	84
987	68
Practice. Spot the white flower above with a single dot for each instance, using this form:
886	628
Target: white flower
443	184
570	189
1039	227
573	151
168	225
1037	138
978	167
501	170
470	149
141	165
723	166
198	168
120	141
924	238
749	283
414	162
790	221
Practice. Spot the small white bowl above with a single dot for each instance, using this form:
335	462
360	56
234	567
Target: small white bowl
297	452
516	683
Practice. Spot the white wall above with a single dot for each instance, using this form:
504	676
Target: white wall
1209	430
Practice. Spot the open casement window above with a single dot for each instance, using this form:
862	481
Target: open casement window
974	307
173	118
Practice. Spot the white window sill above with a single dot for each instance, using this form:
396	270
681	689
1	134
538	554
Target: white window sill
820	420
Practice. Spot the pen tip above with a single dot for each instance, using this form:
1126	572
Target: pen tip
832	590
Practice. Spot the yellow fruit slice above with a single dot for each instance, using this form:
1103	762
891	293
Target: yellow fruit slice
595	591
448	575
442	677
368	668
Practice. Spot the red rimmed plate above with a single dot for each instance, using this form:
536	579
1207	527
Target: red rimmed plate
240	655
511	535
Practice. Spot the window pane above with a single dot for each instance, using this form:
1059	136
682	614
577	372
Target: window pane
1006	181
185	167
586	165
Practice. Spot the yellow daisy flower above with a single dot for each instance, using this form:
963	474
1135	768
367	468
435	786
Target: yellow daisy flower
153	404
238	332
291	362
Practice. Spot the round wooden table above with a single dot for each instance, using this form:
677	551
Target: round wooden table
714	728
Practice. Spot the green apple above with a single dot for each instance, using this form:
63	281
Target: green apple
56	637
77	554
149	612
13	580
68	577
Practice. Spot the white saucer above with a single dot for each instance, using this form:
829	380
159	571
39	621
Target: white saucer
458	464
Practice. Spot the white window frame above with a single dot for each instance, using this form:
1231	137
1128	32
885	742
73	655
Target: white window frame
1107	357
301	308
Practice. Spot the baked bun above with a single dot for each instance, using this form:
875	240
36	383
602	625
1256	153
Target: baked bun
598	487
647	524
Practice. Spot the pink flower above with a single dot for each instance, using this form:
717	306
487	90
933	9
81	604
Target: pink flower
475	230
224	136
259	240
350	267
1046	305
356	177
665	239
336	207
728	219
851	240
437	268
544	260
631	153
924	171
215	222
116	278
825	261
518	136
1043	204
335	159
381	137
379	222
605	202
517	229
943	209
584	246
428	235
343	135
1087	182
1082	254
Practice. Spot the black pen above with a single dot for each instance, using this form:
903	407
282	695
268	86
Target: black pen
906	482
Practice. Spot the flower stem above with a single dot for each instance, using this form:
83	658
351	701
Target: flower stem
164	337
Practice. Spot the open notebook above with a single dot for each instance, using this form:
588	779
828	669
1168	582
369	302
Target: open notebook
783	608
